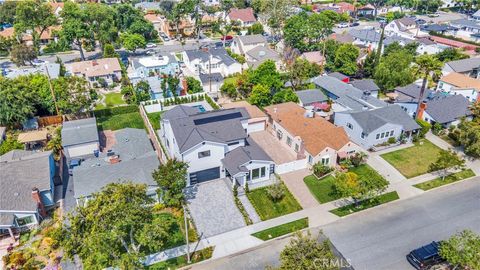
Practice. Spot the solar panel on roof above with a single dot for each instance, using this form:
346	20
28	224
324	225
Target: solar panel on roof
218	118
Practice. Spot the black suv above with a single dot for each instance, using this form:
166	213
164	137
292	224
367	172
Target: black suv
425	257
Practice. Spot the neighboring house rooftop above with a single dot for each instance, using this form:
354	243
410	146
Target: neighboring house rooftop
464	23
244	14
405	22
437	27
148	5
464	65
369	35
373	119
338	75
213	77
342	37
365	85
236	160
204	55
137	162
411	93
461	81
314	57
49	69
154	61
79	131
448	108
347	95
94	68
261	54
252	39
315	132
191	128
311	96
20	172
252	110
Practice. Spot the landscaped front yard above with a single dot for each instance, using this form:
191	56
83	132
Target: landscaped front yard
352	208
283	229
324	190
437	182
267	208
119	121
415	160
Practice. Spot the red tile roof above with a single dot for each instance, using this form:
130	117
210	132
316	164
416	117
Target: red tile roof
244	15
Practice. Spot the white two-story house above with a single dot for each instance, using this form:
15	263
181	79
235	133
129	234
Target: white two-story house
208	61
215	144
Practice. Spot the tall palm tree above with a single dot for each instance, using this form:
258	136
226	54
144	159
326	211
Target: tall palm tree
426	66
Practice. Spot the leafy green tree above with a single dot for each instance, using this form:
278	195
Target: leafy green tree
35	16
22	54
255	29
63	70
6	45
267	75
359	188
329	49
426	66
109	51
305	252
394	70
462	250
132	42
346	59
447	160
55	143
260	96
179	12
173	83
10	144
115	228
451	54
101	22
142	92
229	89
72	94
16	103
368	66
300	70
171	180
285	95
194	85
8	9
75	26
144	28
429	6
277	12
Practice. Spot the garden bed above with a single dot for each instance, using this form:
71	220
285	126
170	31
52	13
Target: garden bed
283	229
438	182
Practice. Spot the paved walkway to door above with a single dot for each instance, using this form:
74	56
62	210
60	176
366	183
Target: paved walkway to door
294	182
213	209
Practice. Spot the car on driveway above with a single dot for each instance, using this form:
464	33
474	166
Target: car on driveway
343	25
425	257
151	45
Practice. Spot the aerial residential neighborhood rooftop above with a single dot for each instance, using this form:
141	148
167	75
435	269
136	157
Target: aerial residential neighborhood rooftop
180	134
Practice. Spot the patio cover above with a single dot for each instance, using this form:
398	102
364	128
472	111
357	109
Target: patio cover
34	136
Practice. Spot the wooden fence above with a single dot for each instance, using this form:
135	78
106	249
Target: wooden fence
50	120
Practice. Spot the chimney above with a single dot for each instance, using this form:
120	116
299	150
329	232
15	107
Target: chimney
421	110
185	87
94	63
38	200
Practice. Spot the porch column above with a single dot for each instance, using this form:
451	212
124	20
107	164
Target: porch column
245	181
10	232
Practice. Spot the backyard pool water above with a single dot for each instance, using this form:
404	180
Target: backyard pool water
200	108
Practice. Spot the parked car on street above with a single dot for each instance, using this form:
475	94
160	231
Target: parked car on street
420	21
353	24
342	25
425	257
151	45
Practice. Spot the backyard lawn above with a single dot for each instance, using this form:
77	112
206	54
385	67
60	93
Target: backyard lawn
154	119
119	121
266	208
323	190
114	99
437	182
283	229
415	160
351	208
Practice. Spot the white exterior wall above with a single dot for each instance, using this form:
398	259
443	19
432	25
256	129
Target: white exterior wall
217	153
204	66
469	93
256	126
410	108
258	164
81	150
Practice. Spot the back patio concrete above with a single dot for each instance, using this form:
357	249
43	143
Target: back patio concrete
213	209
277	151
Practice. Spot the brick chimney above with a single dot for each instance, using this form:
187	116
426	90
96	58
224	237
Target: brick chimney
421	110
185	87
38	200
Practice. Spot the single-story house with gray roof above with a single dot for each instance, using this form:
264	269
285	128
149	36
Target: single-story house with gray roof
212	82
368	85
468	66
374	127
308	98
131	158
80	137
445	109
26	188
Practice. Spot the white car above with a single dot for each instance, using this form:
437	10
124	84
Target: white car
151	45
343	25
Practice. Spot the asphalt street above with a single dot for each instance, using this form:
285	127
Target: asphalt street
380	238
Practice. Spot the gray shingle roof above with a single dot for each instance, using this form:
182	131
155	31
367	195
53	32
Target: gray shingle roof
204	56
445	109
411	93
347	95
464	23
137	162
311	96
370	35
262	53
464	65
365	85
437	27
20	171
374	119
52	68
235	159
215	77
252	39
220	126
79	131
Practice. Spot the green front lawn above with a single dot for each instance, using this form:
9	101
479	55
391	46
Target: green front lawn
283	229
119	121
323	189
114	99
181	261
415	160
266	208
351	208
437	182
154	119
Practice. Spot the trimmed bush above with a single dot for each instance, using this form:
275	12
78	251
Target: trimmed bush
425	127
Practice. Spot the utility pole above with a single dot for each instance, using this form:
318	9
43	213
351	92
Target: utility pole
186	233
51	89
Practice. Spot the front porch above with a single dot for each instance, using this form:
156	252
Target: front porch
252	184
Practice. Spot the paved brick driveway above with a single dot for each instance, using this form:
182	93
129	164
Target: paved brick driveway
294	182
213	209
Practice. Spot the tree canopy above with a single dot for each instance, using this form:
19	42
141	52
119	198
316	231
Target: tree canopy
346	59
462	250
171	180
447	160
394	70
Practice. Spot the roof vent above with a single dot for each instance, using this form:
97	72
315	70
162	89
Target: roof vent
262	53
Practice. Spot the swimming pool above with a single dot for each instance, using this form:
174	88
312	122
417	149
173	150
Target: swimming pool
200	108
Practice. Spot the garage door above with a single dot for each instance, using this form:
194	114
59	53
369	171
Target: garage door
205	175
